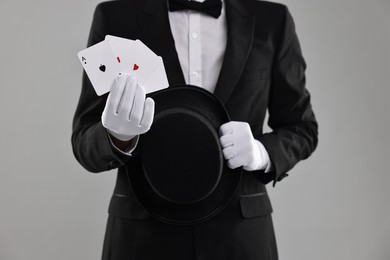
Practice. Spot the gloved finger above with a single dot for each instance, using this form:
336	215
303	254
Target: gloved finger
229	153
127	99
114	98
147	118
238	160
226	128
233	164
138	105
226	140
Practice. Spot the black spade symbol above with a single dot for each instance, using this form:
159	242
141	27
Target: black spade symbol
102	67
84	60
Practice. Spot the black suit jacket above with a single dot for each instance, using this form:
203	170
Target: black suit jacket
263	69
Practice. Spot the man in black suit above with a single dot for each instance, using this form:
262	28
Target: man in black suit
258	67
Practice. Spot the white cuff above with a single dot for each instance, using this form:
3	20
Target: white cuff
133	144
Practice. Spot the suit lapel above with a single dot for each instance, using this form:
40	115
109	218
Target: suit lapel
239	42
156	34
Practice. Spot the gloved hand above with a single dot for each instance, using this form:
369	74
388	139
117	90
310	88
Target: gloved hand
241	149
127	113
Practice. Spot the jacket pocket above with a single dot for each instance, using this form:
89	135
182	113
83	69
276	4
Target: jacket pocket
255	205
126	206
253	74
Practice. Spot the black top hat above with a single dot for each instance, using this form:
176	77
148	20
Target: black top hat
184	177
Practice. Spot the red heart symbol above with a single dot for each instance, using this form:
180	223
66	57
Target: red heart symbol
135	67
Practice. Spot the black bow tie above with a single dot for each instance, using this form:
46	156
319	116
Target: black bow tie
210	7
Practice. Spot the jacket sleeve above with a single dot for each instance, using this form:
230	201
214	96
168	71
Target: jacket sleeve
295	130
90	142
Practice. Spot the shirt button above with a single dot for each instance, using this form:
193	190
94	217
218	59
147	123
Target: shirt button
195	74
194	35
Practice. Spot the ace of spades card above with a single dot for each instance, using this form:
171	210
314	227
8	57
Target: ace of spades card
100	65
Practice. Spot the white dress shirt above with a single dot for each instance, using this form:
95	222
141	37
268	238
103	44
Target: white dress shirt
200	42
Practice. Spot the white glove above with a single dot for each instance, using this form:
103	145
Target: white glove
241	149
127	112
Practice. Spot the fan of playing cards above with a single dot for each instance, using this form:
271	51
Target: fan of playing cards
116	56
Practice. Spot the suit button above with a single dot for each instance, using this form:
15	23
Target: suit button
114	163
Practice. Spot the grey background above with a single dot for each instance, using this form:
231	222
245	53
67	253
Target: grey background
333	206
